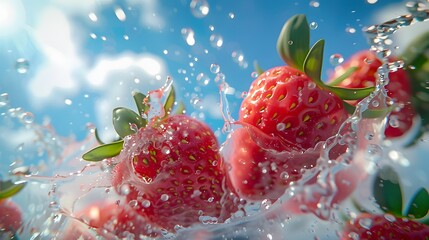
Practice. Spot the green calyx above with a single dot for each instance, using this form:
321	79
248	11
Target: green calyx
127	122
9	188
293	47
388	195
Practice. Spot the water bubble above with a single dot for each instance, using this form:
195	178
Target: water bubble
351	30
54	205
375	103
203	79
313	25
389	217
314	4
166	150
68	102
369	136
284	175
196	102
231	15
244	94
146	203
336	59
199	8
237	56
374	152
280	126
211	27
371	1
93	35
208	220
164	197
216	40
27	117
220	77
125	189
188	35
254	75
365	223
93	17
290	42
22	65
354	236
120	14
214	68
133	203
394	121
4	99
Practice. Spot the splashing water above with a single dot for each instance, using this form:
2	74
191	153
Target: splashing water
316	193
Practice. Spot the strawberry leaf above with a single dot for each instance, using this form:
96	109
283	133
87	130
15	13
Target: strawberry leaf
169	101
387	191
419	205
313	62
351	93
103	151
142	107
123	119
9	188
293	42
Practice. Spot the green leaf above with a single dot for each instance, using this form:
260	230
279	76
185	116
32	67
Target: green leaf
350	93
293	42
387	191
419	205
258	68
103	151
313	62
342	77
122	120
9	188
139	99
169	101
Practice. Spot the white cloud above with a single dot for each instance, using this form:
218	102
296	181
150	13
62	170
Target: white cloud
405	35
55	78
83	7
115	77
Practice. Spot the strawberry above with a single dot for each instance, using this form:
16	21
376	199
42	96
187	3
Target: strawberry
396	222
366	64
294	114
175	172
286	117
168	167
10	212
384	226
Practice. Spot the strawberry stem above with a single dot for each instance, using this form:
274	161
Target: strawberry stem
293	42
258	68
342	77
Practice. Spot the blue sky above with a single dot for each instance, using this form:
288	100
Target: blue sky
85	57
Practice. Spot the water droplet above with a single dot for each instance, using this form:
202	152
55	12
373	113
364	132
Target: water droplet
22	65
290	42
107	190
4	99
199	8
203	79
146	203
125	189
365	223
164	197
214	68
93	17
394	121
284	175
133	203
280	126
375	103
354	236
120	14
220	77
27	117
188	35
93	35
374	152
54	205
369	136
389	217
371	1
313	25
216	40
244	94
314	4
214	163
350	30
166	150
336	59
254	75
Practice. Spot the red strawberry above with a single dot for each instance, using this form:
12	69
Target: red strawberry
10	217
399	89
173	172
367	226
288	113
